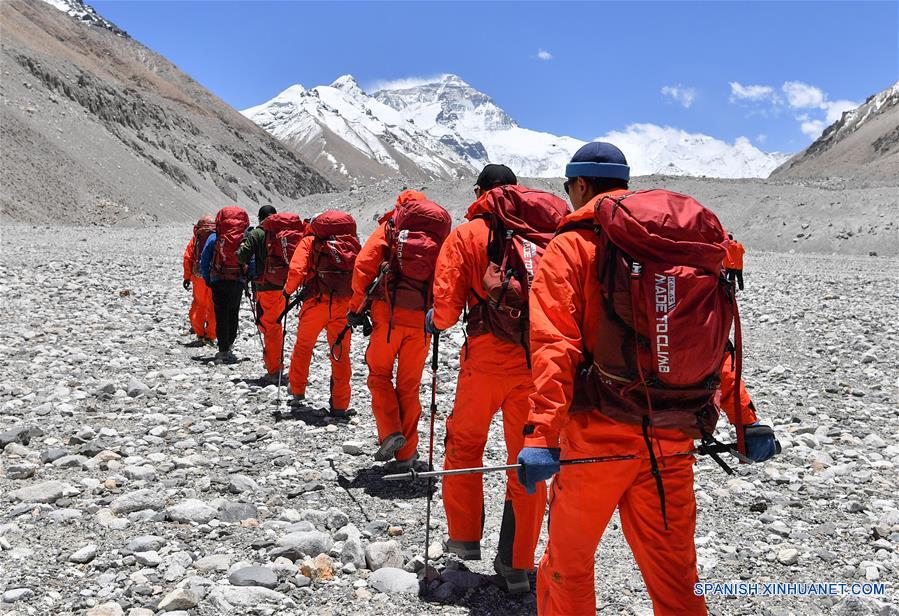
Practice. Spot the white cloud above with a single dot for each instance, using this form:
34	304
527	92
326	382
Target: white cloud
403	83
650	148
682	94
739	92
803	96
761	138
544	55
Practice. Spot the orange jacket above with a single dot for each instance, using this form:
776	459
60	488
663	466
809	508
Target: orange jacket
564	304
189	259
458	275
300	270
734	257
368	263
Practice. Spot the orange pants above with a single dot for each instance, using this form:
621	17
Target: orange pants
582	500
315	316
397	409
202	314
479	395
269	306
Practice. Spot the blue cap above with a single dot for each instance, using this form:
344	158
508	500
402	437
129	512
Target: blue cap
598	159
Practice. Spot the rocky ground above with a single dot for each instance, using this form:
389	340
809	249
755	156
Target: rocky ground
138	478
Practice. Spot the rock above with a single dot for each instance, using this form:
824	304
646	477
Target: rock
107	609
309	543
140	611
383	554
178	599
191	510
54	453
17	594
20	471
788	556
872	573
435	551
392	580
353	552
235	512
253	576
84	555
136	389
246	599
353	448
336	518
213	562
19	434
319	568
145	543
137	501
46	492
238	484
149	558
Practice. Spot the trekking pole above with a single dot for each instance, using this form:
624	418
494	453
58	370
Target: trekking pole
434	356
251	296
337	347
431	475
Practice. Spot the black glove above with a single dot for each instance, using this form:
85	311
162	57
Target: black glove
367	327
355	319
186	284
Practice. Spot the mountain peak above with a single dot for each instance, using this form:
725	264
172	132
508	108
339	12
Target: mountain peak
348	84
86	15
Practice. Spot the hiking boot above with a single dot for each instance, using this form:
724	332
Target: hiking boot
230	358
403	466
274	378
296	399
208	341
466	550
342	414
195	344
220	357
516	579
392	444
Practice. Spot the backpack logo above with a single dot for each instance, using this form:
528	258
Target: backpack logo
529	256
665	300
332	248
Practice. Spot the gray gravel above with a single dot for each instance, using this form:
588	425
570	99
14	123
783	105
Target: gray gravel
184	487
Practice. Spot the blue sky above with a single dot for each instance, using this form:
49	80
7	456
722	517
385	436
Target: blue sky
775	72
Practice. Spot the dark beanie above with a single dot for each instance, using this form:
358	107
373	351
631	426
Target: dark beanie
495	175
598	159
265	211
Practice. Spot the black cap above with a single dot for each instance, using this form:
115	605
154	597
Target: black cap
265	211
492	176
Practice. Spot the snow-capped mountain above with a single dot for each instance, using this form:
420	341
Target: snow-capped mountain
349	135
445	128
85	13
863	144
476	128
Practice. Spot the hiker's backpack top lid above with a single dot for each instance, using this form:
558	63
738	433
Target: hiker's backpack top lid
332	223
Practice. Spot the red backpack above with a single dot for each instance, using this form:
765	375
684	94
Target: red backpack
665	316
202	230
334	253
522	222
231	224
414	232
283	231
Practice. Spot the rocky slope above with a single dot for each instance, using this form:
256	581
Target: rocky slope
137	478
832	216
96	127
861	147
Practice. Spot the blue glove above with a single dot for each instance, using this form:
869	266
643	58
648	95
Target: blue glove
537	464
760	442
429	323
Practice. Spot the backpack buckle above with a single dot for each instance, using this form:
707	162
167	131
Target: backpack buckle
636	269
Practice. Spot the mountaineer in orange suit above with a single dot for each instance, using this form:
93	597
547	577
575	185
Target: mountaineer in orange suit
401	295
570	319
322	268
733	262
494	375
202	312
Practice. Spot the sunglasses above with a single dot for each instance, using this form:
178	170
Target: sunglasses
567	186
